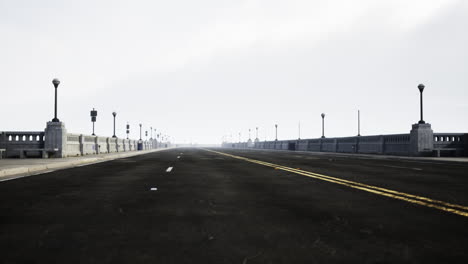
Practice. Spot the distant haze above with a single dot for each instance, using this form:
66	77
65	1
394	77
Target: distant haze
201	70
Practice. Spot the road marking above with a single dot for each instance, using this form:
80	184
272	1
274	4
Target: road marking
169	169
153	189
415	199
178	157
401	167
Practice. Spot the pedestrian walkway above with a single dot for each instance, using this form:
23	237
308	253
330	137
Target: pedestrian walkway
367	156
17	168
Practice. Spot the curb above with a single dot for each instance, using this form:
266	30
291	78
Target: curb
19	172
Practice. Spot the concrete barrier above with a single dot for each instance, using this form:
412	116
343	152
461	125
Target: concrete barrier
57	143
421	141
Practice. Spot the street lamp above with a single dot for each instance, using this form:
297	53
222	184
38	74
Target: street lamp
151	129
146	135
128	129
56	83
257	133
358	123
93	118
114	114
299	130
140	132
421	89
249	134
276	132
323	125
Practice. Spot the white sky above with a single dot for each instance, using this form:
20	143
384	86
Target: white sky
200	70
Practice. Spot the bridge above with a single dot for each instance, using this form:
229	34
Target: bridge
220	205
76	198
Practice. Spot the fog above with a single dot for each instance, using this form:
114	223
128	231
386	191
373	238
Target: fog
201	71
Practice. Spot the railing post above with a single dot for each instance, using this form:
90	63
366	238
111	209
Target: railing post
82	143
382	145
3	140
357	145
96	145
108	145
465	139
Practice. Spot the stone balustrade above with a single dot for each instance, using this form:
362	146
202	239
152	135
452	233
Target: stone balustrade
56	142
417	143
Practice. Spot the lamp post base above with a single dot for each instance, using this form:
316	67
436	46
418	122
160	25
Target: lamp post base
55	120
421	122
421	140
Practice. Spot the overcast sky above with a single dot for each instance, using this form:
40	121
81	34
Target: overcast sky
200	70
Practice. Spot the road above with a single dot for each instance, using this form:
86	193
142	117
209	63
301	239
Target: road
191	205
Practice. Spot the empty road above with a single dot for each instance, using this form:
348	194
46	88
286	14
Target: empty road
190	205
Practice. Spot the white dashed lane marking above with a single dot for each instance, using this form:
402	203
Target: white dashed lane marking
169	169
400	167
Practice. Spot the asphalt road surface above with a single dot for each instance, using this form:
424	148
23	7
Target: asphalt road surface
234	206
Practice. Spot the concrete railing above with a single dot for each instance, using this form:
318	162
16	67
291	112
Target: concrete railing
74	145
15	141
455	144
448	144
56	142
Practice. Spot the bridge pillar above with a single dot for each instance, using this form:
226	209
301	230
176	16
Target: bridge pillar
421	140
56	139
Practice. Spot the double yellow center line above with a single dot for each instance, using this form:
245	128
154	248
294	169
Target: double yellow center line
414	199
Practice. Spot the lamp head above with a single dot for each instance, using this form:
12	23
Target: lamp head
421	87
56	82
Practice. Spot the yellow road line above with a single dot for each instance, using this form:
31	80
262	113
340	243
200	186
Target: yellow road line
415	199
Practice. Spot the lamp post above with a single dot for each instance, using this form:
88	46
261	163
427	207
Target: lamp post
299	130
358	123
93	118
114	114
128	129
140	132
249	135
276	132
151	129
56	83
323	125
146	135
256	133
421	89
